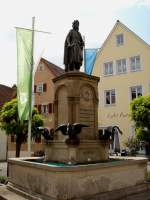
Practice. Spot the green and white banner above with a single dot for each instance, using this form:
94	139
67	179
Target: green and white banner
24	72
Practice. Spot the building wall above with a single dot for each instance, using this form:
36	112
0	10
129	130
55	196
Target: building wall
45	76
118	114
42	76
3	145
23	153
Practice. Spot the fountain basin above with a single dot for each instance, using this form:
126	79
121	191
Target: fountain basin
109	180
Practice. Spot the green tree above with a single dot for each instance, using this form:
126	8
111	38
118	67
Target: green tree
9	121
133	145
140	114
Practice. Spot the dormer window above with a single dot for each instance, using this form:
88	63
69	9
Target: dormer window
41	67
119	39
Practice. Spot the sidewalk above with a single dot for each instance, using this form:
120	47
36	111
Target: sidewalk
3	168
6	194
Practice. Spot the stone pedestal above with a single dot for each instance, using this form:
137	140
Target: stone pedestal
86	152
76	101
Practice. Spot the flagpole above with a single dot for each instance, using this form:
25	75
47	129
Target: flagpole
27	29
30	91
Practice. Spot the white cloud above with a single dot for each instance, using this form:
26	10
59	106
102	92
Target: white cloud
143	2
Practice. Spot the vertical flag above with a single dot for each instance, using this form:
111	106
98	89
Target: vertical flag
89	60
24	72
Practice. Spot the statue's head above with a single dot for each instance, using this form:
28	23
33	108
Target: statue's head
75	24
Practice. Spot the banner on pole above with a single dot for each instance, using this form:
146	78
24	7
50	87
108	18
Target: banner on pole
89	60
24	71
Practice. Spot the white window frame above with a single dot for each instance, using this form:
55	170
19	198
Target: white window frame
41	67
135	67
109	71
44	108
39	88
136	87
111	103
122	66
120	39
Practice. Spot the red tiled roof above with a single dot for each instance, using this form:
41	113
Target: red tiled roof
53	68
6	94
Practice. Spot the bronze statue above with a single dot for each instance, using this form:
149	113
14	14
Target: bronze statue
73	50
71	130
48	135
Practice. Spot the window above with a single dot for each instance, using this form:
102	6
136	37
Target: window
44	109
40	88
110	97
108	68
121	66
119	39
41	67
136	91
135	63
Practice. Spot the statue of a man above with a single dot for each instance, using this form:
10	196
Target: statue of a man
73	50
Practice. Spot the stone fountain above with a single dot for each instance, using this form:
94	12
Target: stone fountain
82	171
76	100
86	172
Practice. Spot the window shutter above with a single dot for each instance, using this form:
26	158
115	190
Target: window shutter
50	107
39	108
44	87
38	139
34	88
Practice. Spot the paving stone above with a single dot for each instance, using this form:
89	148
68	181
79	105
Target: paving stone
6	194
3	168
140	196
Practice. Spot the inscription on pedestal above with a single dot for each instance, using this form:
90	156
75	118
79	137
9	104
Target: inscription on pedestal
87	117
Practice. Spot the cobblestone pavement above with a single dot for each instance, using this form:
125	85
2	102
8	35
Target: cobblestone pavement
3	168
6	194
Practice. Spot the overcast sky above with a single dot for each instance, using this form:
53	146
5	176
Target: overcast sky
96	17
